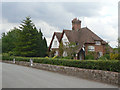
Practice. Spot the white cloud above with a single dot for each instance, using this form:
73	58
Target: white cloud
51	17
7	26
46	29
105	27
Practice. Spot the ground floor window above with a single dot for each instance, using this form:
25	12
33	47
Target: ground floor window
64	54
56	53
100	54
91	48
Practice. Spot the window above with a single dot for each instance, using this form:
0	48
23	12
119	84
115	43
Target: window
77	43
55	43
91	48
56	53
97	43
65	42
64	54
99	54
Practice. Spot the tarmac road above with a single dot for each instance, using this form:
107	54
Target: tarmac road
15	76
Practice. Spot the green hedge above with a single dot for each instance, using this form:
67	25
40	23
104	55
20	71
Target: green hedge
107	65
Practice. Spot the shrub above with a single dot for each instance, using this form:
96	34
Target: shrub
113	56
107	65
89	57
105	57
66	57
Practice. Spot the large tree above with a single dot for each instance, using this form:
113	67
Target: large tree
41	45
26	41
9	39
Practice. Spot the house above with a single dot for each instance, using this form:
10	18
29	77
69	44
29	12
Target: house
85	39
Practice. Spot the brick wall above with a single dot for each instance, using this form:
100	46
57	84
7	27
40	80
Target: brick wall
98	48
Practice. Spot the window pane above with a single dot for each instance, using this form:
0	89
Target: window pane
91	48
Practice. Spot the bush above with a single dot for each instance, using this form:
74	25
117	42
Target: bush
105	57
89	57
66	57
113	56
107	65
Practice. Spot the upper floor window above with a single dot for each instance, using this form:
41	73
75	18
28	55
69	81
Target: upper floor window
97	43
77	43
55	43
91	48
65	42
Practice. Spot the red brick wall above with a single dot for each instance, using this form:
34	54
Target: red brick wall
98	48
76	26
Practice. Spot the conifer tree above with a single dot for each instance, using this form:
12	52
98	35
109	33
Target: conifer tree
28	39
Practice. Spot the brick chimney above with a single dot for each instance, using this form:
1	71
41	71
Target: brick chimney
76	24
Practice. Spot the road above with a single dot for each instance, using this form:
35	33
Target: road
15	76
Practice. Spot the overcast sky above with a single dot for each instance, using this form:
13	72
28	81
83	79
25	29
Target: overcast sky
100	17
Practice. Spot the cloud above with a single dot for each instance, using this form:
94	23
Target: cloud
7	26
54	13
46	29
100	17
105	27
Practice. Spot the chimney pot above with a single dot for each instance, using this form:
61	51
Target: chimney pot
76	24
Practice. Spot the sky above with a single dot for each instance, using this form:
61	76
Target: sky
99	16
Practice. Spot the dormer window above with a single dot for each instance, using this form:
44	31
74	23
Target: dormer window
97	43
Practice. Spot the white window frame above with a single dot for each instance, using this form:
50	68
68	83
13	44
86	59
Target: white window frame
91	48
64	54
55	42
101	54
56	53
97	43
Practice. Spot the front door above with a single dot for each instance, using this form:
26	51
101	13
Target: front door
81	54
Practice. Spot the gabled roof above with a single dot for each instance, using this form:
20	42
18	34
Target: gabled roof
82	36
58	35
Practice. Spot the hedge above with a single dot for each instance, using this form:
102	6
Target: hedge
107	65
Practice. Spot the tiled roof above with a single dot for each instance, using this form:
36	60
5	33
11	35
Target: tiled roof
82	36
58	35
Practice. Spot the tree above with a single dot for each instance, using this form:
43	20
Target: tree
61	49
31	43
26	41
41	45
45	49
70	48
9	39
